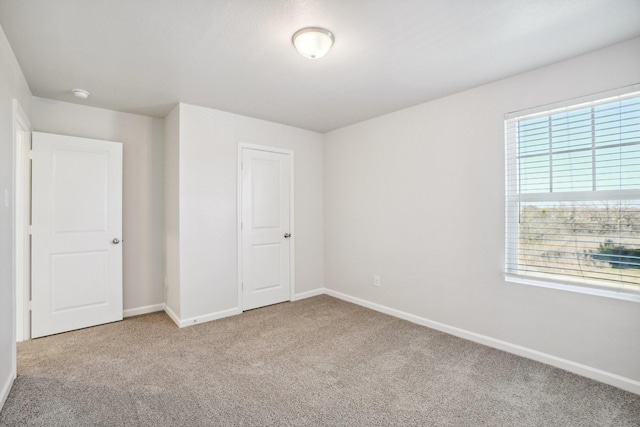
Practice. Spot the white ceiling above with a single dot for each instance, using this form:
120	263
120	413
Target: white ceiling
144	56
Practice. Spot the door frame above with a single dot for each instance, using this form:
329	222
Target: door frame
22	221
290	153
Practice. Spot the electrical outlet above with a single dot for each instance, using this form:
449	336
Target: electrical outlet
376	281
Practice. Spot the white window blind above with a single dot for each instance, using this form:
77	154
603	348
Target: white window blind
573	193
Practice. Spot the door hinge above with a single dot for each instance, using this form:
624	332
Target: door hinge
31	154
31	230
29	305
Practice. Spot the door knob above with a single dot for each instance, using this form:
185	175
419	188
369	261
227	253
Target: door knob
287	235
115	241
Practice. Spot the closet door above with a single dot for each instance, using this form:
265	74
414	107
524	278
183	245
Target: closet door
266	228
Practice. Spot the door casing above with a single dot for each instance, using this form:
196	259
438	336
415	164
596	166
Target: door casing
242	146
22	218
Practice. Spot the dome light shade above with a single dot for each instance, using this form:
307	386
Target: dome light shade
313	42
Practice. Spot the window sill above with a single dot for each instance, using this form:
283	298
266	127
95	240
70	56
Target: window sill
607	293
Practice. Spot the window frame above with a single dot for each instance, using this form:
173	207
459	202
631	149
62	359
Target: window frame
513	198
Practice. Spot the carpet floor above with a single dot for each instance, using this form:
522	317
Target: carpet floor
315	362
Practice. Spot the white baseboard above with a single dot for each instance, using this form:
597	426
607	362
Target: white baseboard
615	380
308	294
201	319
172	315
142	310
6	389
224	313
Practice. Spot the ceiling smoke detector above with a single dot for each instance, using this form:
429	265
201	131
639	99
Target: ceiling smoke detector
80	93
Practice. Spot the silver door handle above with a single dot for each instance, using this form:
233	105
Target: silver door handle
287	235
115	241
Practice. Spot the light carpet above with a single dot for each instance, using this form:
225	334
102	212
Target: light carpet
315	362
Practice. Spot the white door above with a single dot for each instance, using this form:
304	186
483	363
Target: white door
265	227
76	233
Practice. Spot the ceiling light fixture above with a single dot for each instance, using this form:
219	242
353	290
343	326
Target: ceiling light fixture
313	42
80	93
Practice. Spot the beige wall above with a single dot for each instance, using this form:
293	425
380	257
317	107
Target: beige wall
143	207
12	86
417	197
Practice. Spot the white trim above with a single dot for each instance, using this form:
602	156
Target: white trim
292	248
225	313
172	315
202	319
21	193
615	380
580	289
239	219
266	148
308	294
143	310
6	389
292	227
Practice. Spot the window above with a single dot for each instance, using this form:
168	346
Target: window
573	194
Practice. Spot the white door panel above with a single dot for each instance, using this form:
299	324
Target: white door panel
266	206
77	214
265	182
